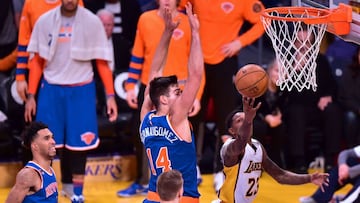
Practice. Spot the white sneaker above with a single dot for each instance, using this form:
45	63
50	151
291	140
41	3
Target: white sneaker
77	199
219	179
306	200
216	201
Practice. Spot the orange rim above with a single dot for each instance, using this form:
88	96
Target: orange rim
314	15
338	19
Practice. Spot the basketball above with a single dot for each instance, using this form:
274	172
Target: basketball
251	81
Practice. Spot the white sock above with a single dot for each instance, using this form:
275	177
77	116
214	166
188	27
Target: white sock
68	188
198	173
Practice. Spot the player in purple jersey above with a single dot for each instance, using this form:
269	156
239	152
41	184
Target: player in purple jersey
36	182
166	131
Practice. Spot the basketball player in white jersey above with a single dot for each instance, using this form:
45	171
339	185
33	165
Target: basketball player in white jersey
245	158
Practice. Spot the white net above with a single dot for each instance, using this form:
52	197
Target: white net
296	45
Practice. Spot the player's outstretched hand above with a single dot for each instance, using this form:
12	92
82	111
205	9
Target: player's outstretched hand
193	19
249	109
320	179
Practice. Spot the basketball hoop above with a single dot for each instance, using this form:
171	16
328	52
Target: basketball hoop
297	53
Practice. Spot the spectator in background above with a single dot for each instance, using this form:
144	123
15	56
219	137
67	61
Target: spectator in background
317	109
126	14
36	182
349	97
346	172
221	43
339	53
107	19
150	27
8	37
170	186
66	99
269	127
32	10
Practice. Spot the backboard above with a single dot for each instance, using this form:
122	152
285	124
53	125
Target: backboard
354	35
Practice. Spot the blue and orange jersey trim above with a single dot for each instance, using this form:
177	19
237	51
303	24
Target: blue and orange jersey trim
135	69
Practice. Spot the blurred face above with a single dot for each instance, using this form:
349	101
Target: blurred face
108	22
44	144
171	4
174	93
68	7
304	40
274	73
237	122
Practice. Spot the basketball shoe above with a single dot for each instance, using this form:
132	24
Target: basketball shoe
133	189
77	199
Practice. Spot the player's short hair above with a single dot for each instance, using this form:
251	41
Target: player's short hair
229	118
169	184
160	86
30	133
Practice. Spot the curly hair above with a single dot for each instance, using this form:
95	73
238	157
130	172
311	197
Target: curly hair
30	133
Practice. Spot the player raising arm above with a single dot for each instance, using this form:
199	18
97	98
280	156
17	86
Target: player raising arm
245	158
165	131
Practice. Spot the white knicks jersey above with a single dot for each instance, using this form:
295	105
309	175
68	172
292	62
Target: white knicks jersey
242	180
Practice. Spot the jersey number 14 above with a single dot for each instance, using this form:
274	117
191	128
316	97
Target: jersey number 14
162	160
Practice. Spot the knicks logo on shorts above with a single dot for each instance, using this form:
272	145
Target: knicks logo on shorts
177	34
227	7
88	137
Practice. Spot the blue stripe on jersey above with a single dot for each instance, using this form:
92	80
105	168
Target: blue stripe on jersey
22	48
136	59
21	71
131	80
134	70
22	59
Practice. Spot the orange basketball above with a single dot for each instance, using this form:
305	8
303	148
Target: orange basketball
251	80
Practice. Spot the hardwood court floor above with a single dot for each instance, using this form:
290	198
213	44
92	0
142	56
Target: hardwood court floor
269	192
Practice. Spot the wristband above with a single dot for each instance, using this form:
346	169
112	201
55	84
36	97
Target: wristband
110	96
30	95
